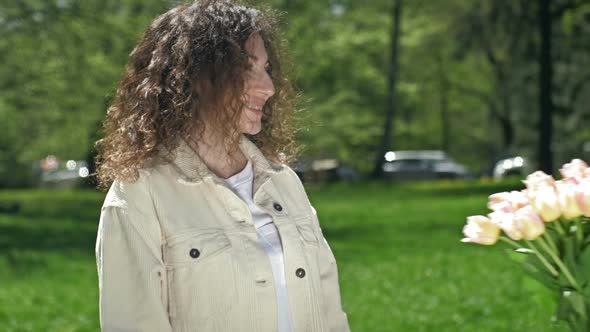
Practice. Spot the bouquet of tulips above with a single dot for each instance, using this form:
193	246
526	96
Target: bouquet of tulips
549	222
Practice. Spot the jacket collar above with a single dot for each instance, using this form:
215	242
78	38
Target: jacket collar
192	169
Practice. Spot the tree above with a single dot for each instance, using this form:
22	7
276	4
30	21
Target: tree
61	62
545	91
390	103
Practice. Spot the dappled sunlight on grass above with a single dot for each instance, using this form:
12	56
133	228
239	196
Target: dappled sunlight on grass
401	265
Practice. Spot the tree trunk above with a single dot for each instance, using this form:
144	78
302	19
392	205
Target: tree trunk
545	157
504	117
507	133
445	120
390	103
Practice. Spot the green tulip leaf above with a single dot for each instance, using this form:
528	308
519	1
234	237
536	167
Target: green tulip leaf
569	256
584	270
571	306
534	268
518	255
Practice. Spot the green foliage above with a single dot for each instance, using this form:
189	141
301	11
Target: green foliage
62	60
340	61
480	57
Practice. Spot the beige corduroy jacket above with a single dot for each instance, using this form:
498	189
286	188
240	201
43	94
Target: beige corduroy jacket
177	251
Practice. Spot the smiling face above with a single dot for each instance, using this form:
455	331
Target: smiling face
258	87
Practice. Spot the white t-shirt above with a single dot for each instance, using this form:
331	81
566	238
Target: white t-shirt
269	238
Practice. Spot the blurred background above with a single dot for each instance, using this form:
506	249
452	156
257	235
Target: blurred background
412	111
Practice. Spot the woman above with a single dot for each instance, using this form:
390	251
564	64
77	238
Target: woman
203	228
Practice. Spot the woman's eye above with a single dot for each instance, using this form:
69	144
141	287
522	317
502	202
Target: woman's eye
268	69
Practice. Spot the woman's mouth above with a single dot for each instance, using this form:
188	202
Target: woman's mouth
255	109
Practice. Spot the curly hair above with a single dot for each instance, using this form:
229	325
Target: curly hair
190	66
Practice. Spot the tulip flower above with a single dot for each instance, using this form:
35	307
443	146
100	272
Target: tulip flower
506	222
574	171
519	199
500	202
529	223
545	203
481	230
507	201
567	198
557	249
538	180
583	197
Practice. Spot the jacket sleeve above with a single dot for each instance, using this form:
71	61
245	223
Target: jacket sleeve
336	317
132	277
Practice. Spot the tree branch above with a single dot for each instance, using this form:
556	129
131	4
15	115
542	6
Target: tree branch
561	9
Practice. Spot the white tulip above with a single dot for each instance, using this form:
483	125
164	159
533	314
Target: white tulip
529	223
506	222
481	230
567	198
545	202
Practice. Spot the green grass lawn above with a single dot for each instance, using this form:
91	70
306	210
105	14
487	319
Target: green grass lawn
402	267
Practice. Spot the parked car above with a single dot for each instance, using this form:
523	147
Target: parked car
423	165
516	165
55	173
324	170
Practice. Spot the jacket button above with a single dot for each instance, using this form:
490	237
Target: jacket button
194	253
277	207
300	273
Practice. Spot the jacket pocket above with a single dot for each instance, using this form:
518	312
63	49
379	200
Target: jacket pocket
195	249
201	279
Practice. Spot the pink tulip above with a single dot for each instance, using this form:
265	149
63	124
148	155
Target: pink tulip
519	199
568	199
507	201
538	180
479	229
545	202
500	202
506	222
583	196
574	171
529	223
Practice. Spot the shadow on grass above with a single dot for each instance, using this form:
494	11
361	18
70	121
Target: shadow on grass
465	190
418	189
376	233
81	205
30	245
35	223
18	233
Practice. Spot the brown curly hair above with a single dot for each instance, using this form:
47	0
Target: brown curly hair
190	66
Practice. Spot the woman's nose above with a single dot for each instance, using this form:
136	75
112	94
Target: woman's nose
265	85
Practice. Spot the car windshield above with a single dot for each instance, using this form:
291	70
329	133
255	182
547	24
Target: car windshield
412	164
